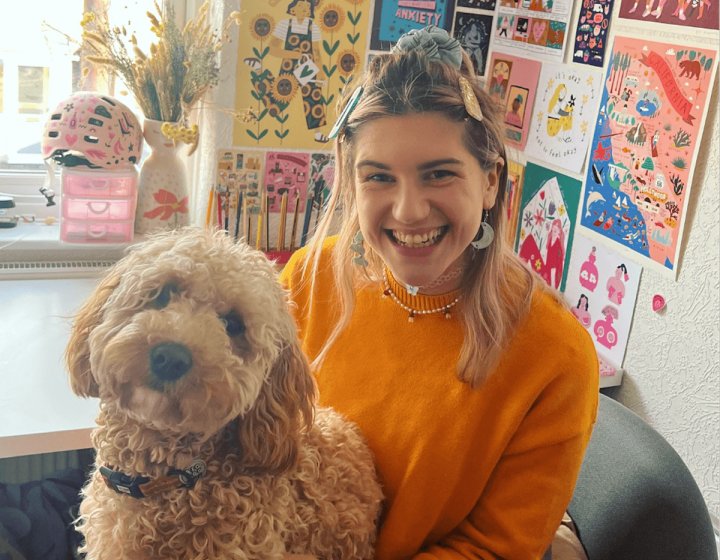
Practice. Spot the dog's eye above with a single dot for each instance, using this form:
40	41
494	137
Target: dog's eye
234	325
163	298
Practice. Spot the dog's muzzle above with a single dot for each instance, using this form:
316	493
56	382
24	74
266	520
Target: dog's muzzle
169	361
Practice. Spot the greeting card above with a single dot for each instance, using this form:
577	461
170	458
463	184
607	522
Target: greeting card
601	290
564	112
548	207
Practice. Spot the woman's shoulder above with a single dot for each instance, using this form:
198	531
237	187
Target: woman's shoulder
550	326
298	267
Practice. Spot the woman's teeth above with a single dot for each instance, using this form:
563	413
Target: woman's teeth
418	240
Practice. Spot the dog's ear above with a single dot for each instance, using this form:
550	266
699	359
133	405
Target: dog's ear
77	353
269	433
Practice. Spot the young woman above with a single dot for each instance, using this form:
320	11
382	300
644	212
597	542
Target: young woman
475	387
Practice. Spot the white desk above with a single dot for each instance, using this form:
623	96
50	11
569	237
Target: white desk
38	411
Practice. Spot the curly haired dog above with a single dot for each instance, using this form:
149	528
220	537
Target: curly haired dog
209	444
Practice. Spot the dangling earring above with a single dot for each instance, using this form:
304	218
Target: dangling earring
358	248
485	235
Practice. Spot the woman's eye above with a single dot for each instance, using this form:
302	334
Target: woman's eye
437	174
163	298
234	324
378	178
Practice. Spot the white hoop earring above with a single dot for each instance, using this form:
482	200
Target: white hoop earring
485	235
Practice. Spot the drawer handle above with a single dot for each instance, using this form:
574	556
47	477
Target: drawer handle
96	231
98	183
99	207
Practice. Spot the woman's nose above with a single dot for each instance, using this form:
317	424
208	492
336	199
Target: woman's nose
410	205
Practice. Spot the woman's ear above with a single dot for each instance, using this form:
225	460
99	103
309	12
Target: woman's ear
493	183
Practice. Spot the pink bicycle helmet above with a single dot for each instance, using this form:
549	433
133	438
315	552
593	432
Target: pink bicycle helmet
93	130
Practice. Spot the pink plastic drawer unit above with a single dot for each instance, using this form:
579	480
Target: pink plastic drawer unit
85	231
99	184
98	206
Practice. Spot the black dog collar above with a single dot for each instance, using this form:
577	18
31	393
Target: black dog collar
144	486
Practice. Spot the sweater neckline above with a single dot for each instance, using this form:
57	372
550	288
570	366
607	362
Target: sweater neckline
419	304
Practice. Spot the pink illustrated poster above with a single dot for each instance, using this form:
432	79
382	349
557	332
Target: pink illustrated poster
548	206
601	289
286	172
688	13
513	81
642	155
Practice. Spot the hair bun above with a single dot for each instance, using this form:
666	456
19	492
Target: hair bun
435	42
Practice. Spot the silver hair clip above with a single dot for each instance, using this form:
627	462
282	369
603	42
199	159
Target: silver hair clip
346	112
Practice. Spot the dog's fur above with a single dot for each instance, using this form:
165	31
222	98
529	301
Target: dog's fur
282	474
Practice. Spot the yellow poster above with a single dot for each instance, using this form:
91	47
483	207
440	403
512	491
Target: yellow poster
295	57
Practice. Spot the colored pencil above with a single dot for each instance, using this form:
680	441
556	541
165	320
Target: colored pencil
283	221
293	234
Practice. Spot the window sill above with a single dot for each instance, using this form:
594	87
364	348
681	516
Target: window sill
35	242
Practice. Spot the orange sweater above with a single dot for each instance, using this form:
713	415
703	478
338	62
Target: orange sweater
482	473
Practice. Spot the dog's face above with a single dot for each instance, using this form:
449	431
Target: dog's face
186	333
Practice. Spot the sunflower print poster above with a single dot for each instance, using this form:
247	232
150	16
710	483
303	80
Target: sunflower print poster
295	57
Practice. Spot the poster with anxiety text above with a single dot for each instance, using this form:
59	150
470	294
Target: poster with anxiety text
645	143
564	115
601	290
513	80
547	211
294	60
394	17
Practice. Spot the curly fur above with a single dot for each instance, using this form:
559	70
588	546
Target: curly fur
282	475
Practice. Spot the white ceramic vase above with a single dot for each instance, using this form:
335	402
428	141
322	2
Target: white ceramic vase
163	197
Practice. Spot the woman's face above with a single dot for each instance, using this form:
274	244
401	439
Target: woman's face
301	10
420	193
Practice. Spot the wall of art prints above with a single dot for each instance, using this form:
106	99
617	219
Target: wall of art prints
516	175
394	17
601	290
592	32
513	81
642	156
548	210
687	13
565	110
294	58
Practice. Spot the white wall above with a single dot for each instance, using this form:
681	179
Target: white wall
672	362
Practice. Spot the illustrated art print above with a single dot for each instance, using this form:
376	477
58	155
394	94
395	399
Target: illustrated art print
642	155
516	173
688	13
591	35
601	290
395	17
548	207
294	59
564	115
533	26
474	32
286	173
477	4
513	82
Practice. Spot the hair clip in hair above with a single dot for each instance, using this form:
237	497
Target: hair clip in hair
472	106
346	112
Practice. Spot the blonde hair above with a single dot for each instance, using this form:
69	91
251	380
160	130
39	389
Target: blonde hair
496	286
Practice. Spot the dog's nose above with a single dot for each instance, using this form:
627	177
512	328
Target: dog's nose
169	361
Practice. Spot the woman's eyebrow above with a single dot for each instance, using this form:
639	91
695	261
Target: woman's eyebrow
372	163
437	162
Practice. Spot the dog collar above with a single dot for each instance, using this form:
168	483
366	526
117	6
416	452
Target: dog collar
144	486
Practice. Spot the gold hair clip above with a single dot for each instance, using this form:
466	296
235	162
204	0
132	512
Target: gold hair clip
472	106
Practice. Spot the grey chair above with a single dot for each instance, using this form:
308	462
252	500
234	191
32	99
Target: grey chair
635	498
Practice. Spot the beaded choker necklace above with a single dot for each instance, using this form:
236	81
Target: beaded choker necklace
444	307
